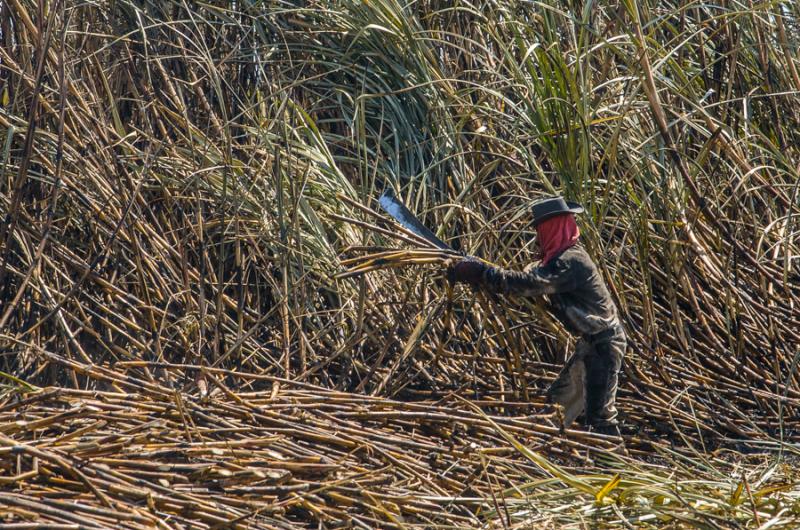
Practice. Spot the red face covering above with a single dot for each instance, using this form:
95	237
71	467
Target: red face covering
556	235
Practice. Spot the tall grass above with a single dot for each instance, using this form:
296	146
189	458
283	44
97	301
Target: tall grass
170	176
180	183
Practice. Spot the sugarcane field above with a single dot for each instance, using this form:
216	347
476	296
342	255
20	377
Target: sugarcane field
382	264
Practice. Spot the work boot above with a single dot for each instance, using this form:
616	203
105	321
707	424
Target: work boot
607	430
607	457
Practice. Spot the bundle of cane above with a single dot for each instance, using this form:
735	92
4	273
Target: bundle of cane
374	258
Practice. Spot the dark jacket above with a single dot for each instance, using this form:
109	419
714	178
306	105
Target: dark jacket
578	296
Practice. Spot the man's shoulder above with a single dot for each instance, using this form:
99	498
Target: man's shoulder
575	252
575	257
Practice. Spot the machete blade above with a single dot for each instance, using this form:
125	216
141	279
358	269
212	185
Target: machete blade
392	205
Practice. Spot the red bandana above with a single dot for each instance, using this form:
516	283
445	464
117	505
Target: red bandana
556	235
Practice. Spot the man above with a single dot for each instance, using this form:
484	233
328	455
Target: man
579	299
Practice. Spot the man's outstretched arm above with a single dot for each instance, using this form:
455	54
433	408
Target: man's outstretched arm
535	282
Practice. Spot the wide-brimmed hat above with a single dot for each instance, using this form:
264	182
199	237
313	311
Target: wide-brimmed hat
547	208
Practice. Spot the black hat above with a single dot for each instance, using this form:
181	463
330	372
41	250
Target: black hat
547	208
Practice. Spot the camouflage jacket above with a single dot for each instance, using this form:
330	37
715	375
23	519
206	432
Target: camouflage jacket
578	296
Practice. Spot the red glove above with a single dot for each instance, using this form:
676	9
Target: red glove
468	270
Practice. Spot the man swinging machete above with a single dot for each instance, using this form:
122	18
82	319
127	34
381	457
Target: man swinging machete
579	299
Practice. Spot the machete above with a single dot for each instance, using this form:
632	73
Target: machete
392	205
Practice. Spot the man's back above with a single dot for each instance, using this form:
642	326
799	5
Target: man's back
579	297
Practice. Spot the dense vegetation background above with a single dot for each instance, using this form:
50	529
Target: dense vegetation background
176	180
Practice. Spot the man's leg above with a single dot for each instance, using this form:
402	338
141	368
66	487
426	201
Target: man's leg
568	388
602	369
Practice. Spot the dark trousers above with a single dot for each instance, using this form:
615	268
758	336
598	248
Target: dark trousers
588	382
